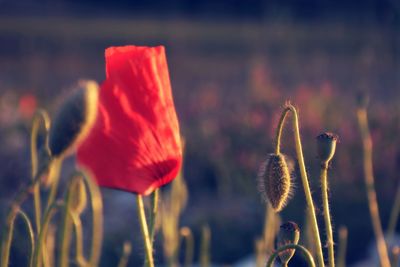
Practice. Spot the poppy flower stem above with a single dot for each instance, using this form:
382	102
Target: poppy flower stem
303	174
145	232
327	215
306	253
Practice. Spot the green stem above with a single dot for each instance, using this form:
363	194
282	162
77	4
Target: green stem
8	236
15	207
205	246
42	235
394	215
123	262
306	253
152	218
54	176
186	233
327	215
66	225
40	115
145	231
370	187
279	130
80	259
304	178
97	217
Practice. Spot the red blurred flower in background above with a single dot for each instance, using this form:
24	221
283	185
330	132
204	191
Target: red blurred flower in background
135	143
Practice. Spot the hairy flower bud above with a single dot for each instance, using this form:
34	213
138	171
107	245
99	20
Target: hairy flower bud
275	181
289	233
326	146
74	118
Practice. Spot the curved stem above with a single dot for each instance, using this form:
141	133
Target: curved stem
97	217
8	236
145	231
54	176
327	215
279	130
42	235
40	115
306	253
15	207
80	259
370	187
304	178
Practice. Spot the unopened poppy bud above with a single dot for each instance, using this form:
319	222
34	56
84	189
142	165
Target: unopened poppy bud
289	233
275	182
326	146
79	197
74	119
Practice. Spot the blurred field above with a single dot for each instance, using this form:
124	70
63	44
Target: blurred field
230	80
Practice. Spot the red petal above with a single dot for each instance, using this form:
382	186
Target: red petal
135	144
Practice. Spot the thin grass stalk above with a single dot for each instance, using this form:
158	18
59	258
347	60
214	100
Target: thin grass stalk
394	215
97	217
40	115
40	243
66	225
327	215
205	246
80	259
145	232
127	249
370	187
186	234
342	248
153	214
54	175
15	207
306	253
304	178
8	236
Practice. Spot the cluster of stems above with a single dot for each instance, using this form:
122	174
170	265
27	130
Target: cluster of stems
310	203
40	250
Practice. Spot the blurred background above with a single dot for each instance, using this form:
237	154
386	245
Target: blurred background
233	64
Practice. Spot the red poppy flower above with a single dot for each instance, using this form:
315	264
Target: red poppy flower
135	143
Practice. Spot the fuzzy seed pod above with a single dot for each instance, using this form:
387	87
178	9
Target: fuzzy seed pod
289	233
74	119
326	146
79	196
275	181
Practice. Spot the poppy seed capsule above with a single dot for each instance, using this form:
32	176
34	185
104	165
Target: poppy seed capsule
74	119
326	146
289	233
275	181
